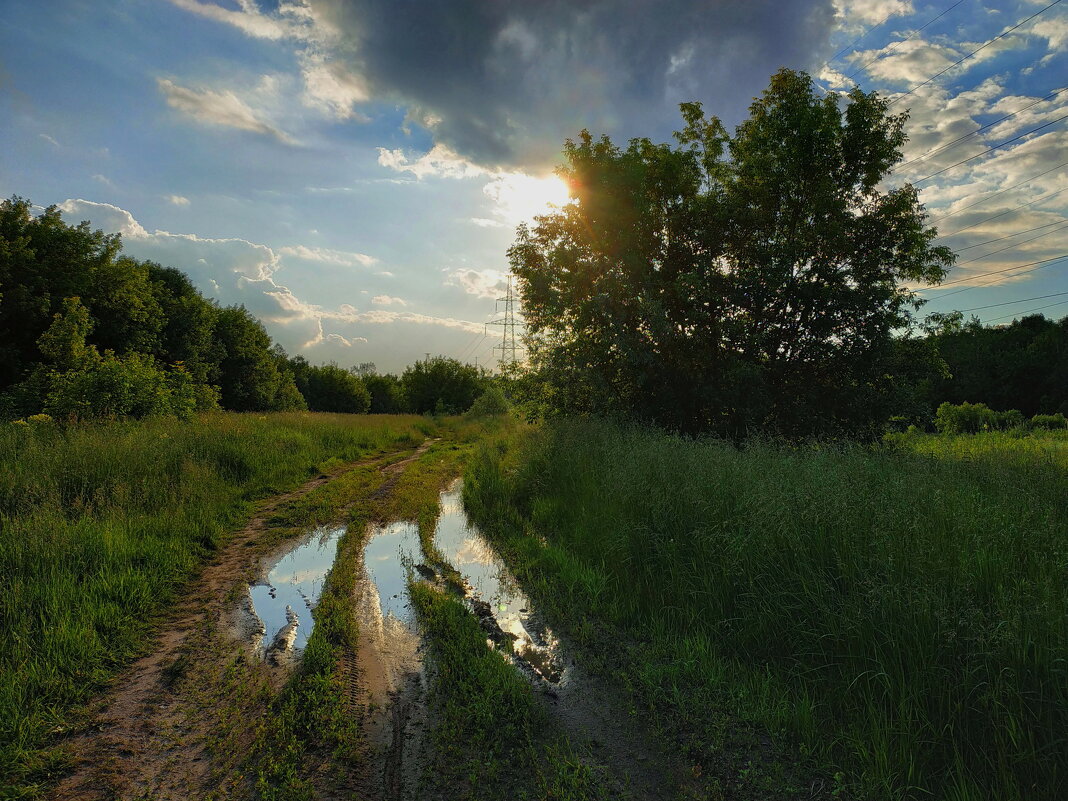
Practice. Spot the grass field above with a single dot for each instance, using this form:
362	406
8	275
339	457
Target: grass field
896	615
100	525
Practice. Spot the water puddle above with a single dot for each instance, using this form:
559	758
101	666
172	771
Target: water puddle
280	606
502	608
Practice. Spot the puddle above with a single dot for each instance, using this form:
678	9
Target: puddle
390	656
282	603
493	593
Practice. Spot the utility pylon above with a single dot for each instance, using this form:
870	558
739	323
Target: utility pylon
508	348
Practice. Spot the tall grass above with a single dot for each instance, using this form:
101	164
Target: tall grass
899	612
101	524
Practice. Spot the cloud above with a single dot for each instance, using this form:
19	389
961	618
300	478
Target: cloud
480	283
49	139
103	179
440	161
177	200
233	270
342	258
502	84
864	13
218	108
387	300
909	62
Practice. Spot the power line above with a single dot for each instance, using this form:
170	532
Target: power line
902	41
1008	247
507	347
1002	214
962	209
853	44
989	149
1042	263
977	131
1026	312
1010	302
1008	236
965	58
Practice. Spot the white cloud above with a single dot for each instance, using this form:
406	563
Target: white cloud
387	300
439	161
340	257
103	215
177	200
906	62
249	19
330	86
239	271
49	139
864	13
219	108
104	180
480	283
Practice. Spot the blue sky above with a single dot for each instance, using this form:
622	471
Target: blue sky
352	170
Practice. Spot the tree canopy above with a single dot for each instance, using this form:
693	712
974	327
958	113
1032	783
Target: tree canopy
86	331
731	283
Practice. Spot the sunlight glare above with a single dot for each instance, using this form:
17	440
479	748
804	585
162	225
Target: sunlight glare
521	197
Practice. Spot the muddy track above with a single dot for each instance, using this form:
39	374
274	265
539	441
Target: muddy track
147	739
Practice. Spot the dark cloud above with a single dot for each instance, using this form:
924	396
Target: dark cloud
503	82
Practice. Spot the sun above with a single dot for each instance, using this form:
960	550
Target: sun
521	197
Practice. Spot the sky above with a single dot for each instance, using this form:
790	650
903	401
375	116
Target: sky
352	171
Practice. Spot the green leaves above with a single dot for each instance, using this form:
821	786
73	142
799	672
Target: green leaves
770	258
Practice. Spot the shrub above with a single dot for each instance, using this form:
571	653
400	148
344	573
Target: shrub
490	402
1049	421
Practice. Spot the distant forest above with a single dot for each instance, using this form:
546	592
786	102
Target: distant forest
88	332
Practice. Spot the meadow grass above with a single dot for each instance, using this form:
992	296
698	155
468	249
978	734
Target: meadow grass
100	526
896	613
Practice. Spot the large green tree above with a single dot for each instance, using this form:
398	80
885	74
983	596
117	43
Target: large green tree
731	283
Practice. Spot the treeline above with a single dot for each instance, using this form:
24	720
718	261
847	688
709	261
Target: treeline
86	332
1022	366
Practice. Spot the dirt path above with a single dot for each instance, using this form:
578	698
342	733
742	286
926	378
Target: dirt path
153	733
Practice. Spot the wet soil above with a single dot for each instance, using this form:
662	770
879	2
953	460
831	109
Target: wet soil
156	733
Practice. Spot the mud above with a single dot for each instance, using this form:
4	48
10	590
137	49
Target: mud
393	678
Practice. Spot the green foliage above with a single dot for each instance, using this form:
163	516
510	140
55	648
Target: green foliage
971	418
489	403
441	386
1023	365
387	393
726	295
69	296
329	388
250	379
899	613
1050	422
126	386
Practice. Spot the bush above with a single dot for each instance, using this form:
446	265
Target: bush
130	386
967	418
491	402
1049	422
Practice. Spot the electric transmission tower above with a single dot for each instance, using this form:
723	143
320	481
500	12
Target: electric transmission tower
508	348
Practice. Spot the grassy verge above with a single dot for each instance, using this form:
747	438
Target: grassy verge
897	614
100	526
